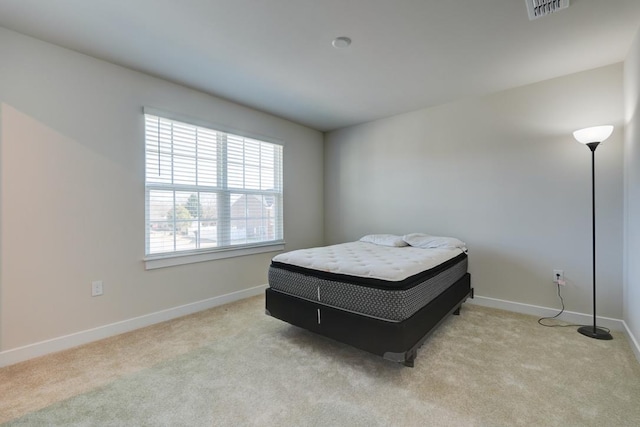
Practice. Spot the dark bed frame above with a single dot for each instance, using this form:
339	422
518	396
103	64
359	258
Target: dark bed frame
395	341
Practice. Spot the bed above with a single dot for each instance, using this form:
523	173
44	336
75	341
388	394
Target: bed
383	294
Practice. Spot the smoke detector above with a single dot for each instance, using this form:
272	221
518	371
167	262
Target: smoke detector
539	8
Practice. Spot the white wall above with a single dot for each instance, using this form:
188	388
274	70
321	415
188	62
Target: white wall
504	174
632	190
72	193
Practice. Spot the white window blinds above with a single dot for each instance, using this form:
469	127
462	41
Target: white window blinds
209	190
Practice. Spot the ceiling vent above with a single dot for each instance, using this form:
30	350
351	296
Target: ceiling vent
540	8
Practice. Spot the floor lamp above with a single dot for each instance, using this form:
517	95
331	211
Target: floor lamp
591	137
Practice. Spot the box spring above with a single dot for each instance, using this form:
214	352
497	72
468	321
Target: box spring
396	341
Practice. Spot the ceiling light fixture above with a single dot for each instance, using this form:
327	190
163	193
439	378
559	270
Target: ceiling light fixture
341	42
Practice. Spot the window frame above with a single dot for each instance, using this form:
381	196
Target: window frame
167	259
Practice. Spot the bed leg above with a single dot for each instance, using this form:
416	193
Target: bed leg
457	311
409	359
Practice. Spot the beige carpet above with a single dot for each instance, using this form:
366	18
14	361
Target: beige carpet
233	365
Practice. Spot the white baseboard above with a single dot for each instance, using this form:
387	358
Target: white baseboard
534	310
633	342
20	354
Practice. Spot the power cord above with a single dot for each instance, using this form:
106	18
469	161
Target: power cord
561	311
557	315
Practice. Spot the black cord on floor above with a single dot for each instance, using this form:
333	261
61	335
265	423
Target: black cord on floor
553	317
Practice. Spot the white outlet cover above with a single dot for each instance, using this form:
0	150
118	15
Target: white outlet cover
555	275
96	288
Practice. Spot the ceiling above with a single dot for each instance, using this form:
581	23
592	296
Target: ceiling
276	55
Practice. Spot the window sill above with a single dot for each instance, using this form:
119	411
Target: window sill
170	260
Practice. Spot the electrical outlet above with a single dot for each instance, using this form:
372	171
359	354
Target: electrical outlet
558	277
96	288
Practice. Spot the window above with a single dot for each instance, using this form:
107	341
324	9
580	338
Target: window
208	190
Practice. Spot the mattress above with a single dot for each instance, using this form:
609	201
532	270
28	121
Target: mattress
386	283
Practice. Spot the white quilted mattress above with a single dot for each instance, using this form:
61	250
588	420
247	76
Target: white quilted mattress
369	260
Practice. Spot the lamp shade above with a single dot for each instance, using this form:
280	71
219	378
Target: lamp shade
593	134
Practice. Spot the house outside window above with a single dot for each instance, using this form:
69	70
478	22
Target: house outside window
209	191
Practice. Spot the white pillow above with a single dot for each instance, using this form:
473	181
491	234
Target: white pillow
384	240
425	241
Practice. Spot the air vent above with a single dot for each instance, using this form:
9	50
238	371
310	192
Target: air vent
540	8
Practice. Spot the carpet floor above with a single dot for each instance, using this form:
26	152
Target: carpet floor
232	365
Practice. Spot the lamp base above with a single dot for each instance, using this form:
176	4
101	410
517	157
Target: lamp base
595	332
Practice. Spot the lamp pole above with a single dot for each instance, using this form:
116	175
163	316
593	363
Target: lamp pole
592	146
